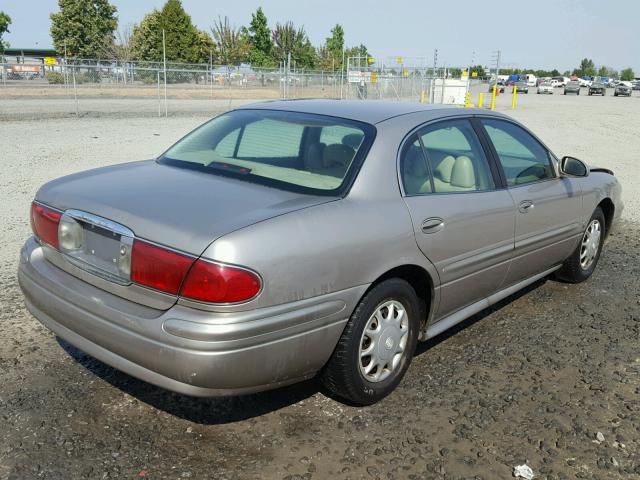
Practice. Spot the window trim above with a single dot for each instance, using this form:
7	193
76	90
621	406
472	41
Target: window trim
495	172
494	152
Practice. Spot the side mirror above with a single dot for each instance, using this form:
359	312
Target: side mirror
573	167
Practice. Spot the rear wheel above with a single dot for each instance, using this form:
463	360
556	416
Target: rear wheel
377	344
582	262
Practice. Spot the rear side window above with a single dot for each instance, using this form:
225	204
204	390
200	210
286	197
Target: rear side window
414	170
456	158
524	160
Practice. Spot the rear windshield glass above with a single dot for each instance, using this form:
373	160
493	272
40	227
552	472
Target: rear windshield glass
297	151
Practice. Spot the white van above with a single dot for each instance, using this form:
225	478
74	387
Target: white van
531	79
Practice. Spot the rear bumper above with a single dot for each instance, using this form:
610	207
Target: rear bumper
185	350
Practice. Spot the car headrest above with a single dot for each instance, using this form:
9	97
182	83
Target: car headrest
313	158
444	168
353	140
462	174
337	154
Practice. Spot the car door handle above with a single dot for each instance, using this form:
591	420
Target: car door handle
432	225
526	206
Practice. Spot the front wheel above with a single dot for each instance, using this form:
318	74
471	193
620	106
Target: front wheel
582	262
377	344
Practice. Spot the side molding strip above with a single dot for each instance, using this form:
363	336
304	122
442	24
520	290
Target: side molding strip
457	317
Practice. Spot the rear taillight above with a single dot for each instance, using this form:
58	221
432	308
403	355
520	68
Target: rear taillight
44	223
157	267
201	280
216	283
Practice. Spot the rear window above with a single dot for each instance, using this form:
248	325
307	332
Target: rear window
297	151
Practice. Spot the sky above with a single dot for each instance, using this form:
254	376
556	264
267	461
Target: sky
558	35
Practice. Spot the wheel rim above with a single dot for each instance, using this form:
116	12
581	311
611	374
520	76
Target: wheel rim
383	341
590	244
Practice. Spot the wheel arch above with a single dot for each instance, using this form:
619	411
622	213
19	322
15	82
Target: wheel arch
609	209
421	281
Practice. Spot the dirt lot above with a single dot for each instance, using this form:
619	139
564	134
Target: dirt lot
550	377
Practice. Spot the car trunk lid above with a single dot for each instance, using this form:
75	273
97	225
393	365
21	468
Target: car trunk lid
178	208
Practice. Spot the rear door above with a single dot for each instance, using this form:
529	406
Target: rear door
462	222
548	207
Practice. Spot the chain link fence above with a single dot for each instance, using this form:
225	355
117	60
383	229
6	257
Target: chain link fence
85	86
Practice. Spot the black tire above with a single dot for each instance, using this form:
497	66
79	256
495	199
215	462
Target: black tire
342	375
571	270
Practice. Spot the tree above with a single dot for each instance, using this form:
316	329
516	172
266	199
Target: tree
479	69
260	41
146	40
627	75
118	48
232	43
287	39
81	26
183	40
330	54
587	68
5	21
359	51
603	72
207	49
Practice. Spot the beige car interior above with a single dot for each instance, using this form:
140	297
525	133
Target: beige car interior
332	160
450	174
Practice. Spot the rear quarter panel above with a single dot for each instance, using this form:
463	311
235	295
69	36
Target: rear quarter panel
335	246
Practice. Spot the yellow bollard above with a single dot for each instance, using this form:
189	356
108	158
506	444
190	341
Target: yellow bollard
480	99
422	96
513	100
493	97
467	100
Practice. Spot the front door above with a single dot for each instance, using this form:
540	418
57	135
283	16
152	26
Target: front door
548	207
462	223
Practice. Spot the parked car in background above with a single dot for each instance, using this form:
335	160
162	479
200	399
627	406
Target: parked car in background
499	87
635	85
572	87
545	87
585	81
521	87
557	82
622	89
597	88
285	239
531	79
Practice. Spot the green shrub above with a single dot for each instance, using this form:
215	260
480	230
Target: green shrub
55	78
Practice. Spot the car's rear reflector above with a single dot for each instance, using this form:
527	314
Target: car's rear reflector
215	283
44	223
157	267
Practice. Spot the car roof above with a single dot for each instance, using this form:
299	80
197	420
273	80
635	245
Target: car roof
370	111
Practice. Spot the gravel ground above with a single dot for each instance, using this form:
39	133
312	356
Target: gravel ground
550	377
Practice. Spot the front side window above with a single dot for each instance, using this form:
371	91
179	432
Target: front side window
298	151
524	160
456	158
